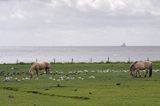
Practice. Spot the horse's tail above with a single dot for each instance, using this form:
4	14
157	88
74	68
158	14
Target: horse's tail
47	67
150	71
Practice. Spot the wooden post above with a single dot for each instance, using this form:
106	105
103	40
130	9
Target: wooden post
108	60
90	60
54	61
72	60
17	61
129	60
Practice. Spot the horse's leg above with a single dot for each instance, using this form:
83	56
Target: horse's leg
139	73
37	72
136	73
146	73
31	74
47	70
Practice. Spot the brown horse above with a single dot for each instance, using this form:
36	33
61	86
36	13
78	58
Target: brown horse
141	65
37	66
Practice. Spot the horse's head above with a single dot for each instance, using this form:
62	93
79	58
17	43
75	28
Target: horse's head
132	70
30	73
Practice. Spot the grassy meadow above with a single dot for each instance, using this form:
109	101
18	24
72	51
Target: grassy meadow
78	85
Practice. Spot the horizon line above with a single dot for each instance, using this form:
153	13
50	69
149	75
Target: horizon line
80	46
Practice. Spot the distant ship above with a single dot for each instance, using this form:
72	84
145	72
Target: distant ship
123	45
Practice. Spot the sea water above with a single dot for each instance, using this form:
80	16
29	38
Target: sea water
79	54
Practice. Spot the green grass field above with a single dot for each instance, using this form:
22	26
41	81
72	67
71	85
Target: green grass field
78	85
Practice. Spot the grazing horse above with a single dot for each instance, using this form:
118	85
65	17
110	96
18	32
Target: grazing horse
37	66
141	65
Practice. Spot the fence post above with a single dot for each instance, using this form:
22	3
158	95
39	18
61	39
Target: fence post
72	60
17	61
90	60
129	60
108	60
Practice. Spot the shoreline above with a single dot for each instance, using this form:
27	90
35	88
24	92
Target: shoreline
102	62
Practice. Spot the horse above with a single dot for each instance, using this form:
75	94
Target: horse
141	65
37	66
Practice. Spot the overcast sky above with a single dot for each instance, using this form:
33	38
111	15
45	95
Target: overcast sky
79	22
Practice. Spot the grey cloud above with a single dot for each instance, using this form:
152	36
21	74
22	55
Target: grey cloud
76	22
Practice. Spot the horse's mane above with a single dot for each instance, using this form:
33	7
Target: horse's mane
132	66
33	63
135	62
